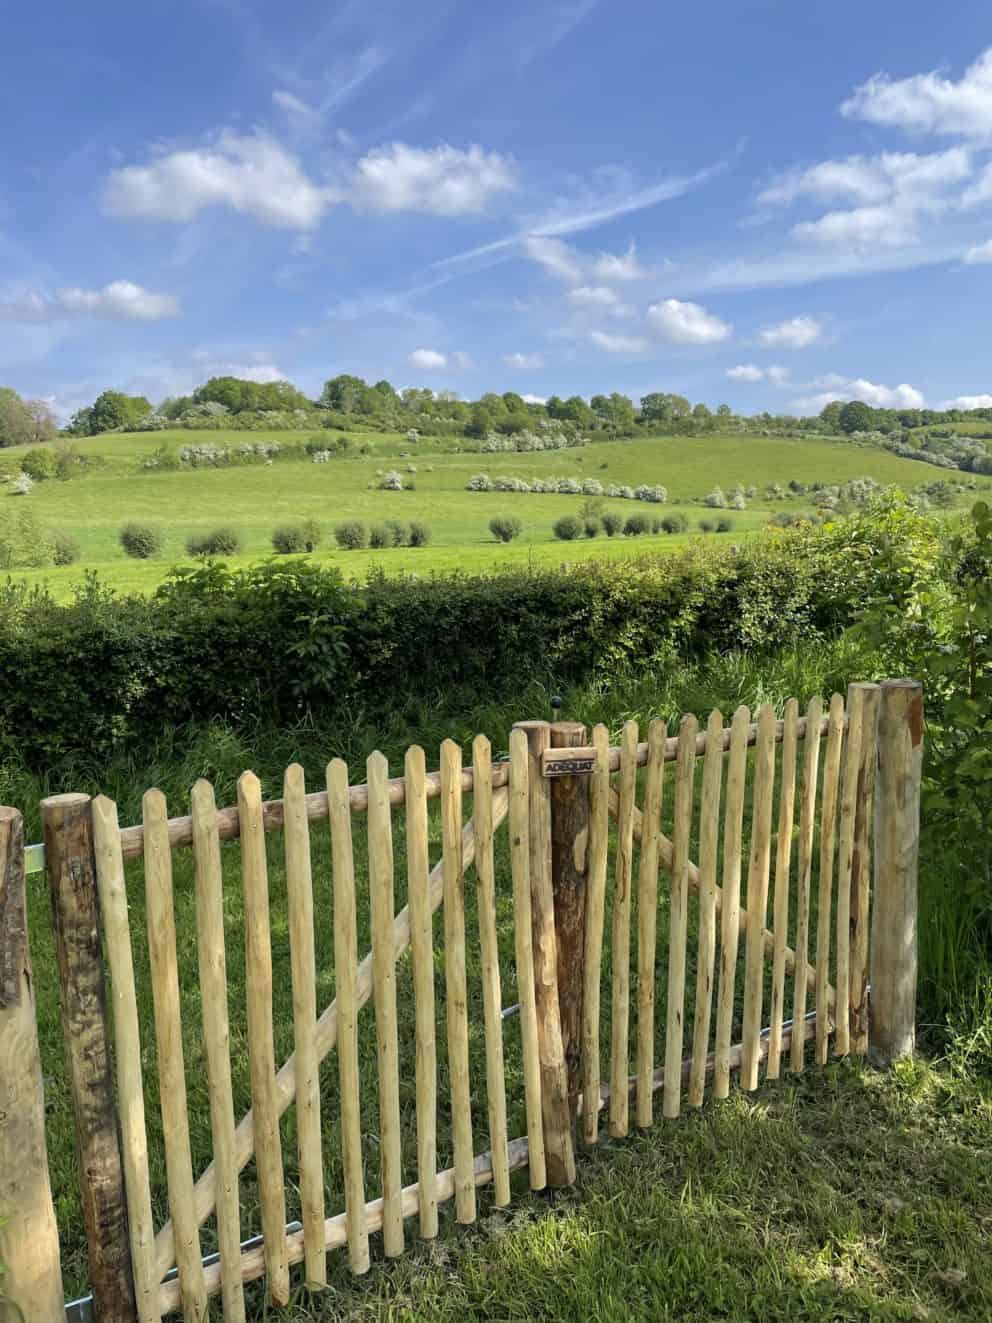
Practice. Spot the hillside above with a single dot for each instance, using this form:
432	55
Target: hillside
253	499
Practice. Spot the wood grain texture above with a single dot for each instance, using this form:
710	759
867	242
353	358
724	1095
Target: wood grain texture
647	920
804	873
599	840
678	917
709	842
623	881
730	915
759	863
828	841
783	865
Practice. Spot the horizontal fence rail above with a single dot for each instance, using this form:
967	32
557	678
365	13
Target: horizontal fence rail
664	914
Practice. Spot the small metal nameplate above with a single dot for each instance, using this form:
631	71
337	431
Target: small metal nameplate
569	766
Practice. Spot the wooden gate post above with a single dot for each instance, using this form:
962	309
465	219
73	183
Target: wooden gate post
71	870
892	1010
558	1144
29	1241
569	863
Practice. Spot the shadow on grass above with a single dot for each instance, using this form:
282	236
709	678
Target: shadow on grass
844	1195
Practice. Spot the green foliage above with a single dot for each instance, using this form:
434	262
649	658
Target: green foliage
217	542
591	525
505	527
636	525
24	422
110	411
855	417
141	541
240	396
724	524
23	544
568	527
39	464
351	535
676	522
420	533
65	548
381	535
612	523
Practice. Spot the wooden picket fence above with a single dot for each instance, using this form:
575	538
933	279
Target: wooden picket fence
848	792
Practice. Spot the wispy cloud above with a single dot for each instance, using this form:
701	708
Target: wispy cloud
577	217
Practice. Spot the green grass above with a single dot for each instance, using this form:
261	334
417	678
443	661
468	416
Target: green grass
255	499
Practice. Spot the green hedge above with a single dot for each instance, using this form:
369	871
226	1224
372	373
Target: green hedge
280	642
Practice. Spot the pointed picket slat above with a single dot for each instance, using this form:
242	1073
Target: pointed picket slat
492	1003
828	830
261	1050
162	956
620	1015
804	872
303	973
347	1001
599	840
422	954
845	867
456	982
678	917
127	1052
209	883
381	895
519	815
647	919
759	863
783	865
709	839
730	917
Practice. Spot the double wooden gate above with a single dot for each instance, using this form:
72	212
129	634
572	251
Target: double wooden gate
501	1033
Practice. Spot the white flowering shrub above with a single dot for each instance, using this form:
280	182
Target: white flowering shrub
657	495
479	482
392	482
411	468
413	436
321	456
716	499
592	487
22	484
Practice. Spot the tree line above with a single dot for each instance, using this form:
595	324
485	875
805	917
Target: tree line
346	400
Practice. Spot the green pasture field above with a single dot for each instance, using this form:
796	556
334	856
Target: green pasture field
255	499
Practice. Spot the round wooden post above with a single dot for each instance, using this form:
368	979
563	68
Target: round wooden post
72	884
29	1242
892	1015
569	862
558	1145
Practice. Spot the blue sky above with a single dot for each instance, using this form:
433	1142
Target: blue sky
756	201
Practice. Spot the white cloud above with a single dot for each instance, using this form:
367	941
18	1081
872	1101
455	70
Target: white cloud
745	372
890	193
620	344
533	399
794	333
429	360
253	175
862	227
968	402
929	102
461	360
620	266
845	388
774	373
121	300
871	179
258	177
981	252
593	296
524	362
556	257
440	181
687	323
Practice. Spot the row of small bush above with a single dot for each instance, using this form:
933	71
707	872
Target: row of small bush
145	541
354	535
557	486
570	527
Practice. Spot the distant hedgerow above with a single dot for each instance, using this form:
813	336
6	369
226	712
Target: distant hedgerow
141	541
